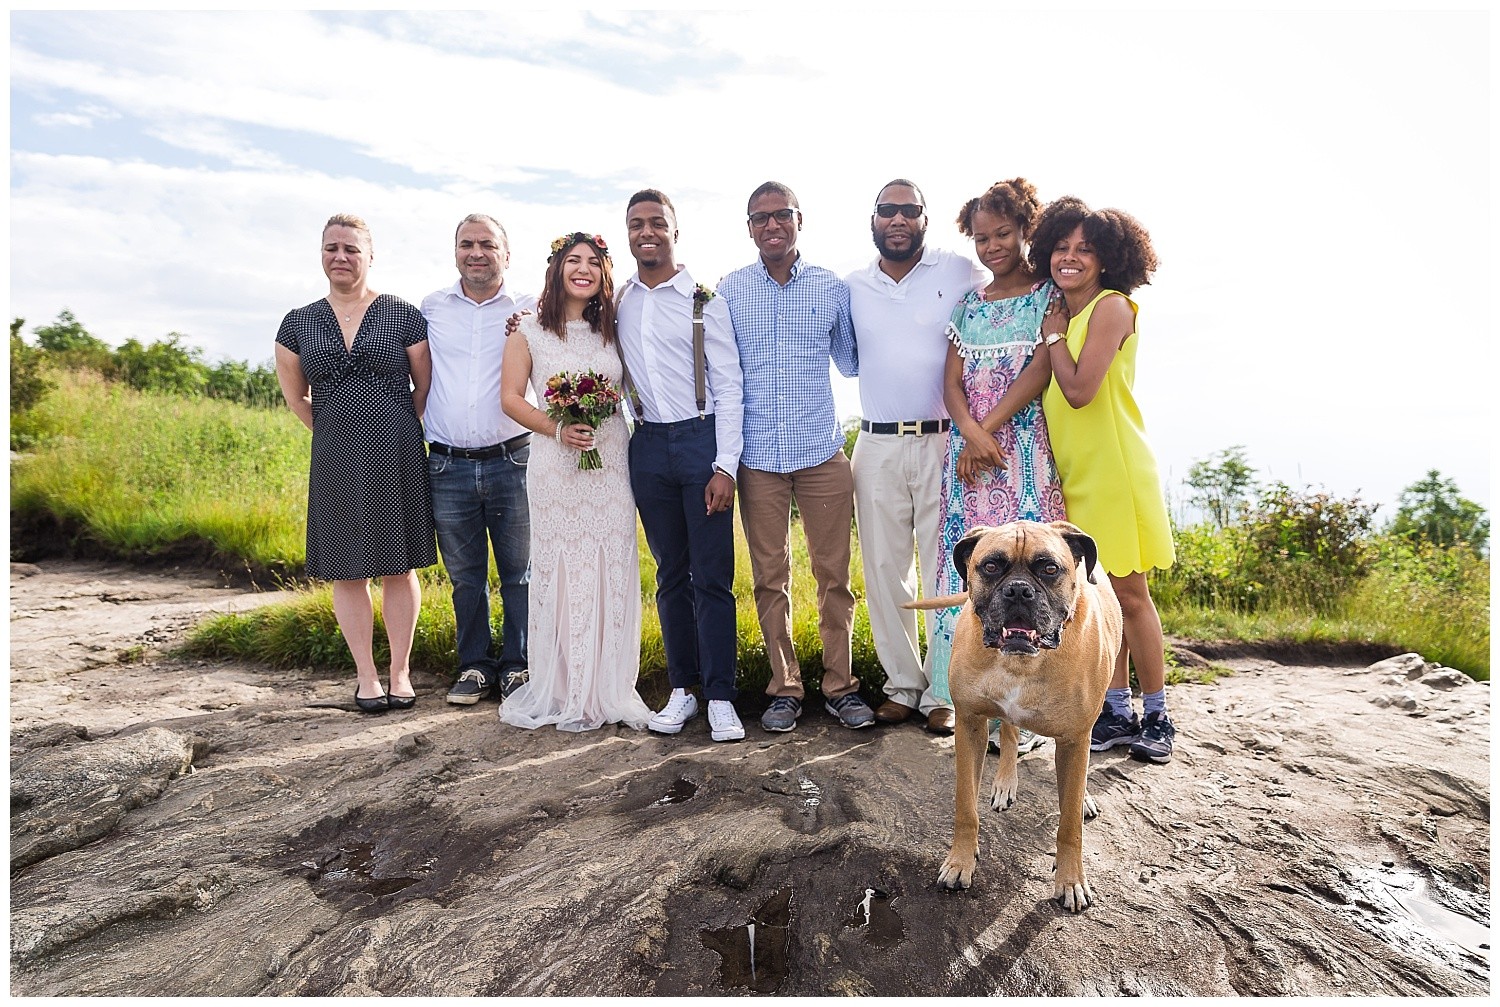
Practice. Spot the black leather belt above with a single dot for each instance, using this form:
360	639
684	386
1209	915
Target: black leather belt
917	427
480	454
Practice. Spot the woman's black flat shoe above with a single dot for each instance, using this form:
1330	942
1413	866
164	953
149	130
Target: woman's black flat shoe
401	702
375	704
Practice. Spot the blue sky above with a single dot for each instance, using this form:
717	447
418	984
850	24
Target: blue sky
1317	185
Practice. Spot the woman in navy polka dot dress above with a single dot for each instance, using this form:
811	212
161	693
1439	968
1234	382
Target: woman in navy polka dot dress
354	368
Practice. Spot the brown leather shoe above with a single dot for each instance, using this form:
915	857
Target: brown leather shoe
892	712
940	721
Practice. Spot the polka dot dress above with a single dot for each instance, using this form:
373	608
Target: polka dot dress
369	510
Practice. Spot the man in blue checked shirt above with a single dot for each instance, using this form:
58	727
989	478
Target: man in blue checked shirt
790	319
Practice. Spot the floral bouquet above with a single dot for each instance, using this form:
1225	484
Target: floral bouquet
586	397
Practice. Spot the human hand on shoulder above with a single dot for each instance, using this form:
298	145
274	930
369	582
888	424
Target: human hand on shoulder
1055	321
514	321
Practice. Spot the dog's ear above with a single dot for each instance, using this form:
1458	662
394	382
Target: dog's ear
964	548
1084	549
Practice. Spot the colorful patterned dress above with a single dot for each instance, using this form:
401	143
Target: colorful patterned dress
996	340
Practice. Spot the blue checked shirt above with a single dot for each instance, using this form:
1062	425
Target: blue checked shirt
786	336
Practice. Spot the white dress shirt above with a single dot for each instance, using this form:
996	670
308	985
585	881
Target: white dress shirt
656	336
467	341
899	330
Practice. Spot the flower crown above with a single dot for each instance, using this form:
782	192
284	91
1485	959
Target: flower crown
569	240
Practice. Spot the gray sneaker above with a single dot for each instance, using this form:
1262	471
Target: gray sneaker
782	714
1025	740
851	710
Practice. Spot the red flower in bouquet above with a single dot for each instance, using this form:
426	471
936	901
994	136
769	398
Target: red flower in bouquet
589	398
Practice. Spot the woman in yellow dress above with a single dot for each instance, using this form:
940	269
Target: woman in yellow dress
1109	477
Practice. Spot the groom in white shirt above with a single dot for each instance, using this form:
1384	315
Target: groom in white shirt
683	454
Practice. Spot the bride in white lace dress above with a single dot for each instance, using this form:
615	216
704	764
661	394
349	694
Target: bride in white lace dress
584	627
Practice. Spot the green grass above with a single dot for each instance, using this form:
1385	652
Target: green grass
138	475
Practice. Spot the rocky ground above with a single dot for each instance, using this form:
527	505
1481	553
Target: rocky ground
187	827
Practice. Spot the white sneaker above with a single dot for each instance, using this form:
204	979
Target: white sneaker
723	723
682	706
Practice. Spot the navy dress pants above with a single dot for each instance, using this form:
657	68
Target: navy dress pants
670	466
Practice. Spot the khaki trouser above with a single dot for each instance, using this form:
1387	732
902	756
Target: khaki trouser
825	498
898	488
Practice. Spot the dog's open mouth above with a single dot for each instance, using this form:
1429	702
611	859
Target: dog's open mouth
1017	636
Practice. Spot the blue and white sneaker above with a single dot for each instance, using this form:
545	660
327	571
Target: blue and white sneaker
1112	730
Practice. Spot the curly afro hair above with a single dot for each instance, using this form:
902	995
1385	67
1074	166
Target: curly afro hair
1122	244
1015	199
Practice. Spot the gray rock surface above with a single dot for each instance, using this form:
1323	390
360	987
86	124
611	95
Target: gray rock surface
1303	841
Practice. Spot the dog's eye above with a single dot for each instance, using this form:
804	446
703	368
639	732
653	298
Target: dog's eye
1049	569
990	566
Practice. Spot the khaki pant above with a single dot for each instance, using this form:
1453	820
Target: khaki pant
898	505
825	498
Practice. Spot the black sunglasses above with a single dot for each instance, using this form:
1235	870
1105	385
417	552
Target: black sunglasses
911	211
782	217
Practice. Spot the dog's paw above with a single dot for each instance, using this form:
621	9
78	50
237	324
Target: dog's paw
1090	808
955	874
1075	898
1004	793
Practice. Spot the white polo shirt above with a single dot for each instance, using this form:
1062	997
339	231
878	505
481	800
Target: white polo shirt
467	342
656	337
899	329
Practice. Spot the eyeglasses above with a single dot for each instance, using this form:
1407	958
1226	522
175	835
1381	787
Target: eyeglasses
911	211
782	217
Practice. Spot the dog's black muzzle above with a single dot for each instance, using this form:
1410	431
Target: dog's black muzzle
1012	616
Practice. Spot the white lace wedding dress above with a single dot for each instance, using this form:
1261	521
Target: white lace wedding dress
584	629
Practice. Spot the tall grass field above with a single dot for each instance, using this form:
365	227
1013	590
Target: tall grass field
139	475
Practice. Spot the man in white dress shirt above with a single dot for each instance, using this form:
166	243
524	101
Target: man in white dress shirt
476	460
683	454
901	303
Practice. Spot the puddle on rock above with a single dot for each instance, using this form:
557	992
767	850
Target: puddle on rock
353	871
876	916
1410	894
812	794
753	955
682	790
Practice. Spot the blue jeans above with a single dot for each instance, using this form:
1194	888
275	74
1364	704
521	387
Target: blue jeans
670	465
475	504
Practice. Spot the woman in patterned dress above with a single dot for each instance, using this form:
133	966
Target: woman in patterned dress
353	367
584	622
999	465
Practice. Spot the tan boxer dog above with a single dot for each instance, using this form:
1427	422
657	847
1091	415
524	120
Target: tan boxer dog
1035	645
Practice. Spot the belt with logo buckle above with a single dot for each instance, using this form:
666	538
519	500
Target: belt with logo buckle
914	427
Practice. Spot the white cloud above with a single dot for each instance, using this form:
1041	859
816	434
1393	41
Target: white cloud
1306	185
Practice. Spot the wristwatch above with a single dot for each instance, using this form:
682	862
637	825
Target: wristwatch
1055	337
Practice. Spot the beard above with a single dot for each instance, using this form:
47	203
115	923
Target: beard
918	238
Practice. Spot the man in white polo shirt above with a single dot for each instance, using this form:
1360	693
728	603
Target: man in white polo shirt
901	303
476	463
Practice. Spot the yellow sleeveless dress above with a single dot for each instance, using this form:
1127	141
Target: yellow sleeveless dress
1109	480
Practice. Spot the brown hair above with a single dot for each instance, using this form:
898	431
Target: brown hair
1015	199
353	222
599	312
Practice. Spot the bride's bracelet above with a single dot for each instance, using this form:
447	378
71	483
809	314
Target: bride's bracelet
558	432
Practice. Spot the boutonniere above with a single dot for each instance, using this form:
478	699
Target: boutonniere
701	294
